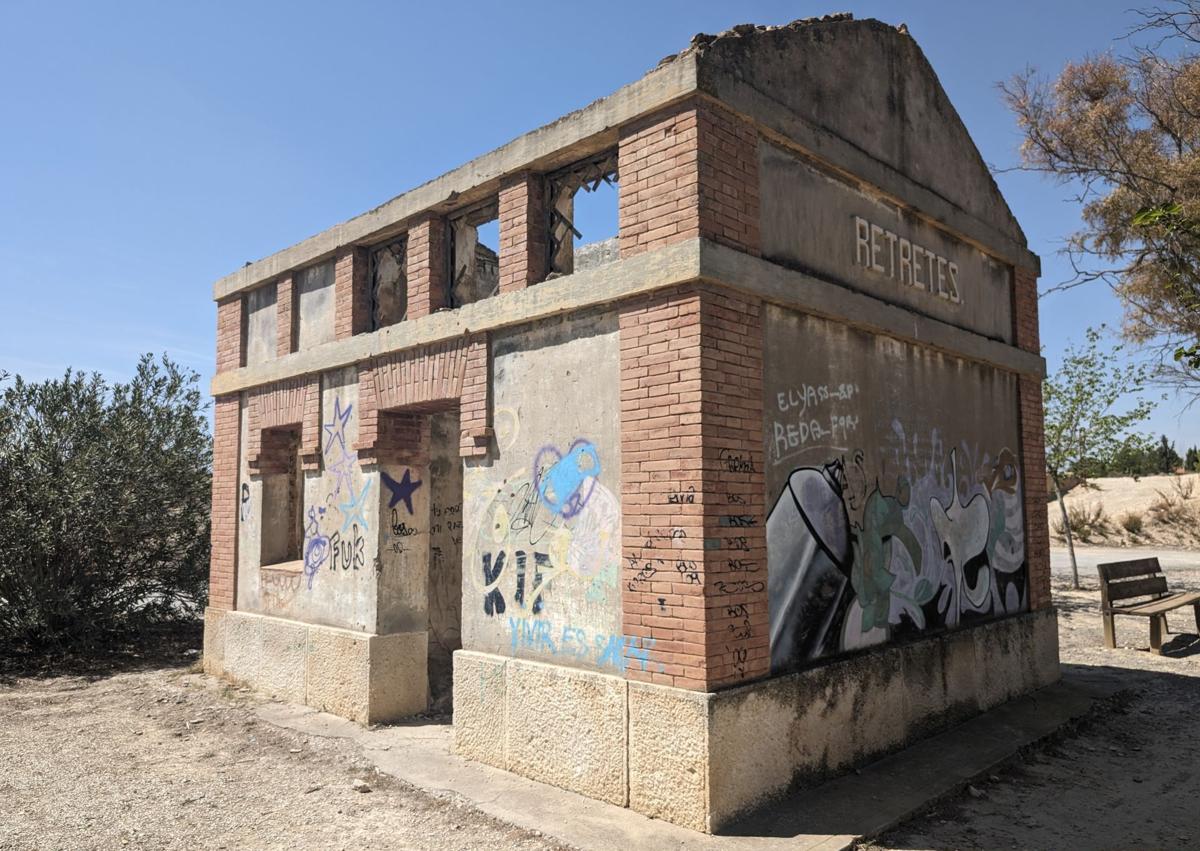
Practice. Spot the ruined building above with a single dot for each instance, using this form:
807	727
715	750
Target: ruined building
741	500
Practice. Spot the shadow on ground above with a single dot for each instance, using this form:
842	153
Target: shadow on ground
169	645
1097	712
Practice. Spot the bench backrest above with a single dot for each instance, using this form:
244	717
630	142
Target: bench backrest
1124	580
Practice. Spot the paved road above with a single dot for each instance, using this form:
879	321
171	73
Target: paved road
1172	561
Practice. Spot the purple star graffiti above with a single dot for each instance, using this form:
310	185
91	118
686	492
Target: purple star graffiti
335	429
402	490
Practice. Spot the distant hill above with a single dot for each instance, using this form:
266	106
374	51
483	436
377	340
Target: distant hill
1150	511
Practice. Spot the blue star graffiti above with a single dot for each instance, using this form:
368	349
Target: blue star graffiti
401	491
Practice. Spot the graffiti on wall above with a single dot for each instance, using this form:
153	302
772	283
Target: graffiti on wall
555	523
861	553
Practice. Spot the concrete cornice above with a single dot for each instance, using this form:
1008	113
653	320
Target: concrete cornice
692	261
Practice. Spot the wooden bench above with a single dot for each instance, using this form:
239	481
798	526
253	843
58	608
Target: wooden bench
1139	588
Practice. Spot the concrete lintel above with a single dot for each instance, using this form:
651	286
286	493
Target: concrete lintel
682	263
575	135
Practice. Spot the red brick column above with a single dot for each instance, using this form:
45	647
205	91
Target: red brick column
222	570
285	316
426	258
524	232
230	344
352	307
694	578
1033	448
689	172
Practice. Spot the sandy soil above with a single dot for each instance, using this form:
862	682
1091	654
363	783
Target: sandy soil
165	758
1168	507
1129	777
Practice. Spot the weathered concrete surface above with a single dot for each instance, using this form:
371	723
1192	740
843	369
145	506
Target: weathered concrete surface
914	450
792	79
669	751
366	678
567	728
542	519
830	816
676	264
702	760
480	707
862	95
314	319
814	220
261	325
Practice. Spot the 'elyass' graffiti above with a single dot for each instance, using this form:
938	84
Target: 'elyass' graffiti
852	565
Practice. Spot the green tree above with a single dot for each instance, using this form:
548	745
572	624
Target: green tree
1082	421
1124	134
1167	458
104	504
1191	462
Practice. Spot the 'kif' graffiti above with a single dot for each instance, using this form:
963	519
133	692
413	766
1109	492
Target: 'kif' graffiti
853	566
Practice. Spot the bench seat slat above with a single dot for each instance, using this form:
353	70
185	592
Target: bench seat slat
1126	569
1137	588
1158	607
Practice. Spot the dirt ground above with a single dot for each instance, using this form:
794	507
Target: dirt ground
1129	777
163	757
1150	511
166	758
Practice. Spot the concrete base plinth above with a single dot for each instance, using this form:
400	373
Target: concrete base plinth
363	677
702	759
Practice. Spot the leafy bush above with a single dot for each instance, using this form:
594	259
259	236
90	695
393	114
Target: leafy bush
1131	522
104	503
1087	522
1170	509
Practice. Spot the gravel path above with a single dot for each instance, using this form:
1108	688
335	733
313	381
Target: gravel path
170	759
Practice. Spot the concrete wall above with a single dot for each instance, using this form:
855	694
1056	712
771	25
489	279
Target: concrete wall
261	326
700	760
814	221
893	486
336	582
316	303
542	542
445	555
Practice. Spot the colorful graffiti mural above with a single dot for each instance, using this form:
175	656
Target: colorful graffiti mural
865	553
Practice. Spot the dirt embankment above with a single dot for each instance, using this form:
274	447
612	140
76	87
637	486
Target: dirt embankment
1159	511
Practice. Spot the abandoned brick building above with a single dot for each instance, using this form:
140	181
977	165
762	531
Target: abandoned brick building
745	497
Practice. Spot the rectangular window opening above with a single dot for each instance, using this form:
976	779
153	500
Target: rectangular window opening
282	496
474	254
582	214
389	283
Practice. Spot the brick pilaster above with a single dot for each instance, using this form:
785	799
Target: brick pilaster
352	307
524	232
689	172
222	570
426	258
230	333
1026	335
694	575
286	311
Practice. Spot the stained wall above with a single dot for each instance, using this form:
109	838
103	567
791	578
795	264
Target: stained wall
894	491
541	517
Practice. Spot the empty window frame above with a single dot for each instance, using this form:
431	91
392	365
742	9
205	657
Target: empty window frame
282	531
570	221
389	283
474	266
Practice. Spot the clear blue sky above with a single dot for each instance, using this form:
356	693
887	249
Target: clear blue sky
150	148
